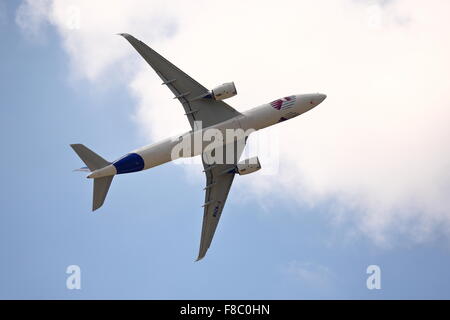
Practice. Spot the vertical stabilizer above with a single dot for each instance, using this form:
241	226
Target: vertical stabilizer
101	187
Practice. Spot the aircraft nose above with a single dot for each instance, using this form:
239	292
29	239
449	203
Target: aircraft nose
321	97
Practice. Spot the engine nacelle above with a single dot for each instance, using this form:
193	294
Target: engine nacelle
248	166
224	91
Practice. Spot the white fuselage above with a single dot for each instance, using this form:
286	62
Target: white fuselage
251	120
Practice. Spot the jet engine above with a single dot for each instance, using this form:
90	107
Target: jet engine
224	91
248	166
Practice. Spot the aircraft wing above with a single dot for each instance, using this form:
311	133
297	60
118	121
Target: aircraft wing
217	187
219	178
188	91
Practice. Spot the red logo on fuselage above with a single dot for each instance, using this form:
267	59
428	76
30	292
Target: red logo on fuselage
284	103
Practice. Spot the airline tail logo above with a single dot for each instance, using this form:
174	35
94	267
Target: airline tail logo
283	103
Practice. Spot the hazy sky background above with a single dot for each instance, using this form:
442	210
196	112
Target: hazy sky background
362	179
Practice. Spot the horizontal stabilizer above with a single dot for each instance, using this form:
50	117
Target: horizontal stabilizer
92	160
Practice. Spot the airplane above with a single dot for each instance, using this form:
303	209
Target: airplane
206	112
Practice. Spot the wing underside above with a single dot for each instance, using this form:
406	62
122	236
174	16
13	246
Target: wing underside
219	178
216	194
189	92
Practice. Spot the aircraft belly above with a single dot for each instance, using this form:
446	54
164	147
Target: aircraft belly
259	118
156	154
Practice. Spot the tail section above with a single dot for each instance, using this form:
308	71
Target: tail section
101	170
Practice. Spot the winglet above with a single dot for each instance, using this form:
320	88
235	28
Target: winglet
125	35
201	253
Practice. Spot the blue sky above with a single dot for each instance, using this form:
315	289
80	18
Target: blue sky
143	242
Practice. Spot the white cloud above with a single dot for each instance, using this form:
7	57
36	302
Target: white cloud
31	17
377	148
